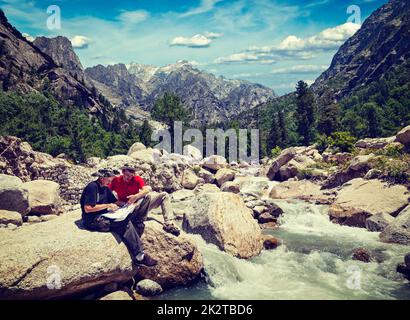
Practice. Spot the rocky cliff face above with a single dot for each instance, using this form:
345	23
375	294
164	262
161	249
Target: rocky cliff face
212	99
382	43
25	68
61	51
117	84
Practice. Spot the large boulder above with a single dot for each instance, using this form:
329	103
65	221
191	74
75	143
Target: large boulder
44	197
138	146
207	176
281	160
359	199
378	222
404	136
193	153
148	155
303	190
374	143
12	217
223	219
13	195
59	258
189	179
224	175
357	168
214	162
253	185
398	231
295	167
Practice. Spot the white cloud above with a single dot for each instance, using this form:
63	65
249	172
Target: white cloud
80	42
133	17
293	47
28	37
205	6
212	35
299	69
196	41
245	57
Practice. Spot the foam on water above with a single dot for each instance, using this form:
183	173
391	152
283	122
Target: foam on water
314	262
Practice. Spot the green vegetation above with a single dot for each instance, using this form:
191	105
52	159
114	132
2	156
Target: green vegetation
305	113
381	108
342	141
394	170
52	128
275	152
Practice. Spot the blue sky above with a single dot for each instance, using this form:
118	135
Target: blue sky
272	42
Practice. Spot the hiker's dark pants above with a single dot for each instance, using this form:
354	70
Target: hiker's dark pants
131	229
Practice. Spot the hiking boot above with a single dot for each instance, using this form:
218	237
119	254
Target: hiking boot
171	228
145	261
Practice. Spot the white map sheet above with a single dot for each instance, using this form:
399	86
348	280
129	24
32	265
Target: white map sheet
121	214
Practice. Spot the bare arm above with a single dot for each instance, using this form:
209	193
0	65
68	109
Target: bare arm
143	192
100	207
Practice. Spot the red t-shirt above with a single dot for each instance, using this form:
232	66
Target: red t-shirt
125	189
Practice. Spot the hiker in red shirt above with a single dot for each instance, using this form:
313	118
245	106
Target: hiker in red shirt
131	188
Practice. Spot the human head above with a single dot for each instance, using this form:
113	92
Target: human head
105	176
128	172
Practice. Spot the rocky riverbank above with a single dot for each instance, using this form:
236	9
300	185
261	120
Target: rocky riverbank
46	253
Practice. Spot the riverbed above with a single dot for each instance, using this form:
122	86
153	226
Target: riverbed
314	262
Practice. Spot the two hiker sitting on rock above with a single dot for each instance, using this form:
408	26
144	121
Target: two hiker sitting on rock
98	199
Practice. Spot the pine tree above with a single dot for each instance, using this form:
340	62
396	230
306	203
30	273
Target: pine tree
168	110
145	133
305	113
283	141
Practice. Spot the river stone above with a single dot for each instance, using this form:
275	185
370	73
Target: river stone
256	185
359	199
138	146
44	197
230	186
206	175
285	156
303	190
79	260
192	152
145	155
398	231
404	136
378	222
270	242
13	195
407	260
148	288
404	269
189	179
223	219
361	254
214	162
265	218
12	217
207	187
224	175
117	295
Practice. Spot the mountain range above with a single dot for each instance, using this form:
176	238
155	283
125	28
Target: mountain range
210	99
378	48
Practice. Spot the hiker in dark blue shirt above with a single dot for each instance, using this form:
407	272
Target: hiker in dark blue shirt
97	199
